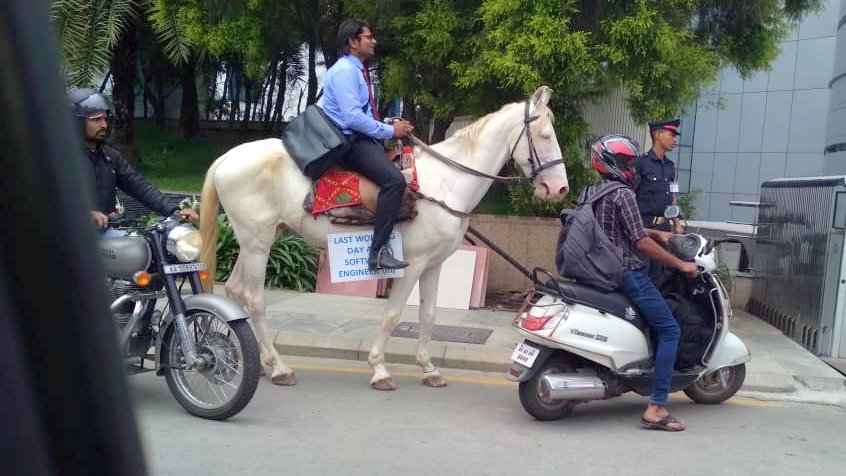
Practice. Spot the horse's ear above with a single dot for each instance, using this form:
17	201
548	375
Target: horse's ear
541	96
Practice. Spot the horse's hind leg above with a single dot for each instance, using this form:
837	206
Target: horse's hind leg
247	286
428	295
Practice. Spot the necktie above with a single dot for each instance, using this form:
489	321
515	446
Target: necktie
370	93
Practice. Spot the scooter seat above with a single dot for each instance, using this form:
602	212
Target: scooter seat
608	302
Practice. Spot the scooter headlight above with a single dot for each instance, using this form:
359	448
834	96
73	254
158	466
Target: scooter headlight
184	242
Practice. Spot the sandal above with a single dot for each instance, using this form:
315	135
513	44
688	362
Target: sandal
662	424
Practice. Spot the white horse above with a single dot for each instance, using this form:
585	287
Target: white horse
262	191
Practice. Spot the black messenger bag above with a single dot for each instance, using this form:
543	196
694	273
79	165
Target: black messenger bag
314	141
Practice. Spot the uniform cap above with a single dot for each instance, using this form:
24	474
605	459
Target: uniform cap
671	125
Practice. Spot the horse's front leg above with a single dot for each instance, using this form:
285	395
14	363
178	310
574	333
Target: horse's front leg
428	297
382	379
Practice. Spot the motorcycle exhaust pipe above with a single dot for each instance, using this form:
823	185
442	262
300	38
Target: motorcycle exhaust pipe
572	387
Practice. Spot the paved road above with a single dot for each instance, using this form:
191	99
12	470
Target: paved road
333	423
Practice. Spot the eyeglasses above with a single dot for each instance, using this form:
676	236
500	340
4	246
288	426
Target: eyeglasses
368	36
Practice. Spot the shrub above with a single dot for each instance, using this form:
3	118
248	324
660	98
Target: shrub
686	203
292	263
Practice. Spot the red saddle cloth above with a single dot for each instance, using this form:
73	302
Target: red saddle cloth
336	188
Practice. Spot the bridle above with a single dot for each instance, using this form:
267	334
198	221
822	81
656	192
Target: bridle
535	162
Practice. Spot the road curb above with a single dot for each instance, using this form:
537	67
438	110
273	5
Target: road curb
398	351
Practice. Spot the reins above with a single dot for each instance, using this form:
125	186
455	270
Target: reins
534	162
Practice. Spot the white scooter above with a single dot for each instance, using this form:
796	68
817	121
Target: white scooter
583	344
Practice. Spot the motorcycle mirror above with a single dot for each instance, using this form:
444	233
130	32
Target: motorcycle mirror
672	211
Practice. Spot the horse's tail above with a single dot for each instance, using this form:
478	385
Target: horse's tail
208	225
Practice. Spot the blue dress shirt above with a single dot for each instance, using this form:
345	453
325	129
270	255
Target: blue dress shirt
346	100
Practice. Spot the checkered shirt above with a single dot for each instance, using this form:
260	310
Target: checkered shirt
619	217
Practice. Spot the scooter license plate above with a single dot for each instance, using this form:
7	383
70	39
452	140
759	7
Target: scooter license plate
525	355
184	267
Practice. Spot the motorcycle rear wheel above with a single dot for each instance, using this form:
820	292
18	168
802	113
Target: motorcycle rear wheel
708	390
227	383
532	396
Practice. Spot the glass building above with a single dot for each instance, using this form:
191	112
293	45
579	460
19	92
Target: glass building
789	121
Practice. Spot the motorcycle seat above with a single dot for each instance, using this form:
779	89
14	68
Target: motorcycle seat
612	303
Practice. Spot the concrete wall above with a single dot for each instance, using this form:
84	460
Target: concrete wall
530	241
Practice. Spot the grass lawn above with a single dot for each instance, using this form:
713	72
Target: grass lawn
175	164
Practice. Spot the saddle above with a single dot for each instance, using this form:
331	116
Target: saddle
348	198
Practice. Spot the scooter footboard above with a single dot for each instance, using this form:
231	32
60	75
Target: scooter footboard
732	351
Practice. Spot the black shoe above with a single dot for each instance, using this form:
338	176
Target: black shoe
384	259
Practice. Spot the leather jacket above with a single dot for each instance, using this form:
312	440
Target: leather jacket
109	170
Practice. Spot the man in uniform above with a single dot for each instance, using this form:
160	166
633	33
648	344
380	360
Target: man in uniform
657	186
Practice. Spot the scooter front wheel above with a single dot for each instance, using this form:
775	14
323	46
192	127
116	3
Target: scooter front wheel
535	399
710	389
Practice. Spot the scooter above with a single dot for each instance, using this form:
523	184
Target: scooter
583	344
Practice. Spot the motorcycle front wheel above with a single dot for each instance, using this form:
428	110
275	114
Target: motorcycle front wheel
708	389
226	381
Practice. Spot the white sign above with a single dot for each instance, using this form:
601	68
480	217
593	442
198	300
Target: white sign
348	253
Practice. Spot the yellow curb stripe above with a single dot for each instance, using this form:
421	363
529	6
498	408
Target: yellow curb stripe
746	402
413	375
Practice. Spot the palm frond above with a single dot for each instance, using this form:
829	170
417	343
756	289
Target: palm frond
171	35
87	31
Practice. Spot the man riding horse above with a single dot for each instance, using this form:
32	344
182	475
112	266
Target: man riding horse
348	101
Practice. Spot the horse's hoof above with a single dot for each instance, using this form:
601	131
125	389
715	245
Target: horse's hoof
284	379
384	384
435	381
262	372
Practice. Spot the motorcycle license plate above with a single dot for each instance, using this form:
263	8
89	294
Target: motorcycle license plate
184	268
525	355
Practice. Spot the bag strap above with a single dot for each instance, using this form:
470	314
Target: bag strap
603	192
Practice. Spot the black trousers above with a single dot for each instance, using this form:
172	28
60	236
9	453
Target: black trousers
656	270
368	158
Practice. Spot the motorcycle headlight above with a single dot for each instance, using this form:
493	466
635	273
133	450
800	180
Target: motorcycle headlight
184	242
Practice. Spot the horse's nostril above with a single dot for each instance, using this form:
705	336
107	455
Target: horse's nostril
564	190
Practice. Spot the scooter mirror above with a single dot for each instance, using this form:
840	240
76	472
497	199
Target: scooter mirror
672	211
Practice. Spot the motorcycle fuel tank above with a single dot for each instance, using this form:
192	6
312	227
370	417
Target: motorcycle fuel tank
124	256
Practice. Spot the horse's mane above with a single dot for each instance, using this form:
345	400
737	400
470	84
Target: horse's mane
471	132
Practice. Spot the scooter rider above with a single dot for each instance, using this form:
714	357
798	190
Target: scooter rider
108	168
614	156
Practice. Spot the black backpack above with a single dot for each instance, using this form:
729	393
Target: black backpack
584	252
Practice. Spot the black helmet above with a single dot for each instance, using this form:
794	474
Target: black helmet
613	157
87	101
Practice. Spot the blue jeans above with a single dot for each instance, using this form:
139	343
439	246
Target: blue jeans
640	290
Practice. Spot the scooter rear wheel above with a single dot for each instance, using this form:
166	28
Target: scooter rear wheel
534	399
708	389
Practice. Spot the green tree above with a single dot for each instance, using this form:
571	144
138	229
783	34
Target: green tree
663	52
100	36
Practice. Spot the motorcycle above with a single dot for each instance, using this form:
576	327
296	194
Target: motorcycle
202	343
582	344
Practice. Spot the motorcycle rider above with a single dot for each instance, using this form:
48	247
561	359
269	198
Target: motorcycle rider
617	213
108	168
